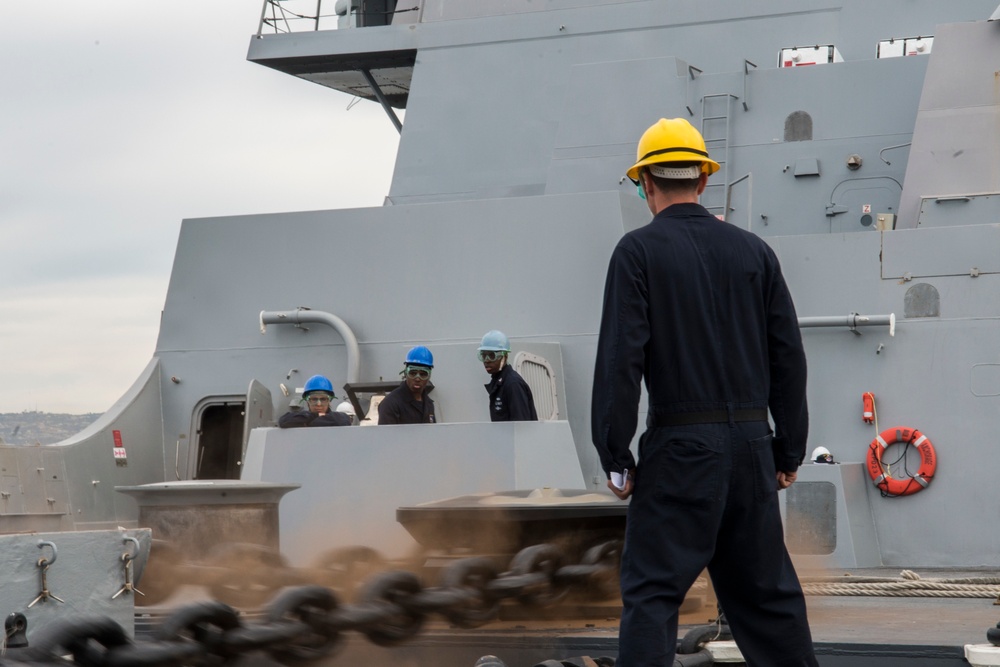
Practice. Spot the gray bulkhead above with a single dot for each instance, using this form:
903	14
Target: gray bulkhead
550	103
506	201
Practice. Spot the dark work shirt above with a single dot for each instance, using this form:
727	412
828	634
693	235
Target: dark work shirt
697	308
510	397
302	418
399	407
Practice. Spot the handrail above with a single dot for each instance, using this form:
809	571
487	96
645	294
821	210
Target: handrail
852	322
282	14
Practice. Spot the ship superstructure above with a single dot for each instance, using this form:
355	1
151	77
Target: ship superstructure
859	139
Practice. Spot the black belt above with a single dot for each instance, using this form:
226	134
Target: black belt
711	417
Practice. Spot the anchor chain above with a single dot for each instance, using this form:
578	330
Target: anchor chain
303	624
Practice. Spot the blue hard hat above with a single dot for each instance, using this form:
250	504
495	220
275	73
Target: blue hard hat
495	341
317	383
420	356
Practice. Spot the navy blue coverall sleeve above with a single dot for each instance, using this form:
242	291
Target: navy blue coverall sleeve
388	414
304	418
787	398
624	334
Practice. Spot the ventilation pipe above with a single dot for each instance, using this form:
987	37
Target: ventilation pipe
307	316
852	322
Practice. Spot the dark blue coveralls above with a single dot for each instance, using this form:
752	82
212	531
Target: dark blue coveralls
510	397
399	407
698	309
304	418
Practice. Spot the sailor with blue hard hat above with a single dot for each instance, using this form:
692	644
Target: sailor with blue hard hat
409	403
317	395
420	356
510	395
317	383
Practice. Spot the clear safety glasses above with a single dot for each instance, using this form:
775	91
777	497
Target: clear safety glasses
417	372
491	355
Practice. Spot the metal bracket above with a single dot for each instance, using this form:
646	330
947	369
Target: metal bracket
127	559
44	564
380	96
853	328
746	75
687	93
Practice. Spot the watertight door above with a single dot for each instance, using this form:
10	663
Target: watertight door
259	412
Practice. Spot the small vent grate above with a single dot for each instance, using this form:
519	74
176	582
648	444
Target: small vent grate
539	375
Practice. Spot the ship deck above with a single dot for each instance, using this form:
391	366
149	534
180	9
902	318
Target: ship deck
891	631
848	631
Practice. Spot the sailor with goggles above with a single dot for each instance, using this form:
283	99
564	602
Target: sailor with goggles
510	395
409	403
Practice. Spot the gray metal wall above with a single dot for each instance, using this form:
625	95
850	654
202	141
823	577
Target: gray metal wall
440	275
507	200
552	102
353	479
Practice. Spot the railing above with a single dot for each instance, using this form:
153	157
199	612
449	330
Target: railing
287	16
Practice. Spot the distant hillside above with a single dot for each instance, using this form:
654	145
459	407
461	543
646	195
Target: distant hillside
44	428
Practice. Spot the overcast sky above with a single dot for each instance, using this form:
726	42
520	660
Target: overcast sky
117	120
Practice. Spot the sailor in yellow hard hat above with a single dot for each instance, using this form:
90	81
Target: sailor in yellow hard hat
670	141
673	152
697	309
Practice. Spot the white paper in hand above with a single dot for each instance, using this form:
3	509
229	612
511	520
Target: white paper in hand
619	478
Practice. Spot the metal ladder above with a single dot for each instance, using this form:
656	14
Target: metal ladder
715	128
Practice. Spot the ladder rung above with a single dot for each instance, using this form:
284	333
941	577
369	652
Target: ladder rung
719	144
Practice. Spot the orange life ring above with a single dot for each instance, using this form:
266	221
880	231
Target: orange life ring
904	486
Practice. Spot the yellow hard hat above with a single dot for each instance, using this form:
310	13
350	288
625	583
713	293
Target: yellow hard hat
671	140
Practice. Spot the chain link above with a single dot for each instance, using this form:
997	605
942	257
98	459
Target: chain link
306	623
